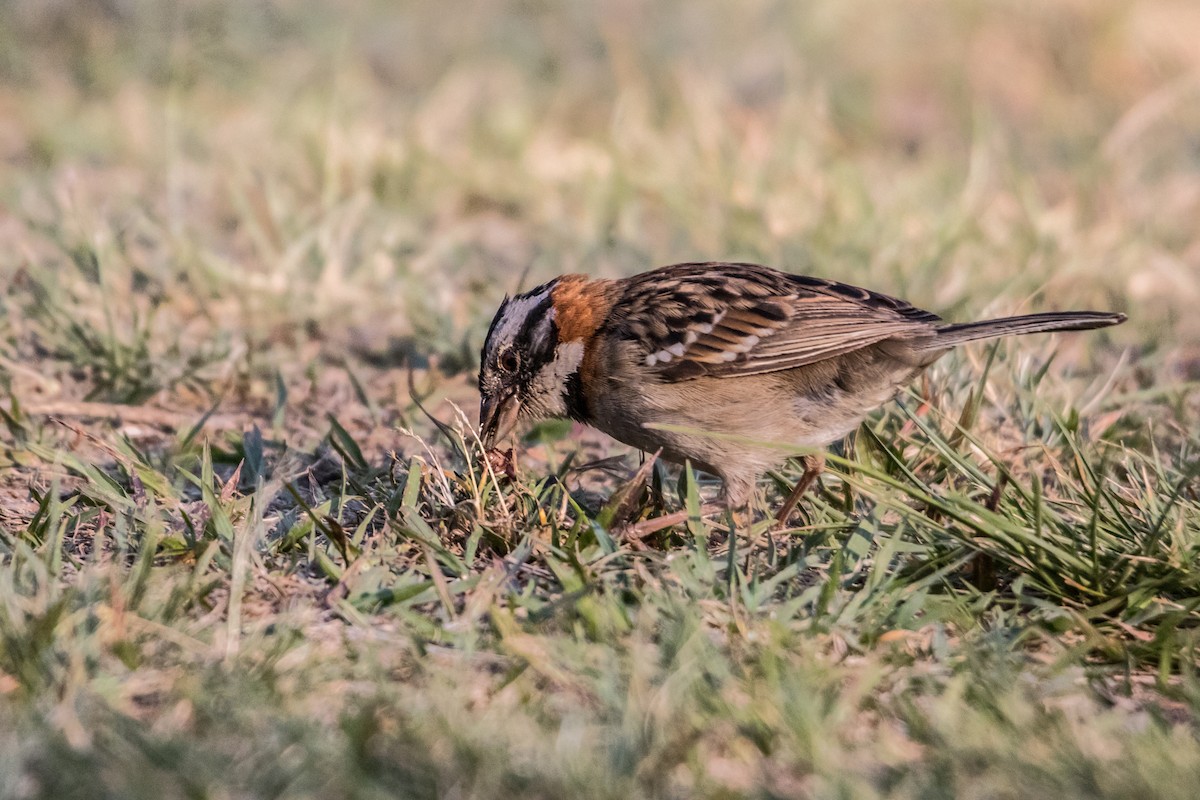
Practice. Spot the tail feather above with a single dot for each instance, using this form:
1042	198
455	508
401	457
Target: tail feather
960	333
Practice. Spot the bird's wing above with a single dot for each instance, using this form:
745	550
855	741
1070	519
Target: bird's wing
725	320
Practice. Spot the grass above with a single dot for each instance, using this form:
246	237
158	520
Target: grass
246	552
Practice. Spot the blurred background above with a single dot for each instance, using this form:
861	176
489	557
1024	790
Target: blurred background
220	191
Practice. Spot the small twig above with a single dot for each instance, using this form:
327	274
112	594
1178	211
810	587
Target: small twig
620	505
646	527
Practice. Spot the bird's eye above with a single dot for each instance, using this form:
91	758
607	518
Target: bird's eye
509	361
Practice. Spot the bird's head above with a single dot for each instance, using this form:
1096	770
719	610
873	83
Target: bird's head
529	366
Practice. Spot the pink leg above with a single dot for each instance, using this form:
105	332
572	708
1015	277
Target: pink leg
813	464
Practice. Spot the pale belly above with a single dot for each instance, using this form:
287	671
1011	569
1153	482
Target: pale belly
724	424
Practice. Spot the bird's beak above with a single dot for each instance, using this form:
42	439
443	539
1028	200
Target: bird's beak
498	416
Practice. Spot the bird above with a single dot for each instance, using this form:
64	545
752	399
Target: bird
733	367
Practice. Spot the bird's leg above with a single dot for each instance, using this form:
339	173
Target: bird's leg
813	464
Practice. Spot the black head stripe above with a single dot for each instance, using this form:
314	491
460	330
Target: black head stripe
536	341
539	327
499	315
507	329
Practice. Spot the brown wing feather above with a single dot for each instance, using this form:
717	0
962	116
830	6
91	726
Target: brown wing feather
742	319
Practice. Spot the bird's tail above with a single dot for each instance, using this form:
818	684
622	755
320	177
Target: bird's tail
963	332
